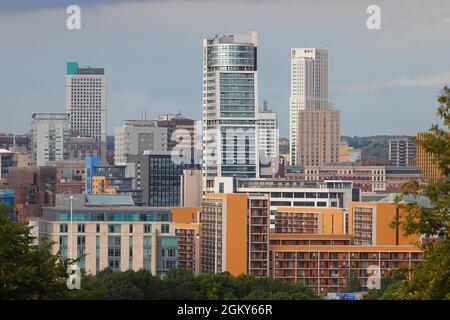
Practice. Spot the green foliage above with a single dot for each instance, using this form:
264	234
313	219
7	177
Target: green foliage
430	279
182	285
27	272
353	284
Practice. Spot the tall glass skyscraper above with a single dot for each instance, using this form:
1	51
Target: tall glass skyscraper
230	108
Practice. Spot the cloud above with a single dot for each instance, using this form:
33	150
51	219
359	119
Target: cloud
433	80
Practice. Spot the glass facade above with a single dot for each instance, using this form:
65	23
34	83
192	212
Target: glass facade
164	181
230	108
114	252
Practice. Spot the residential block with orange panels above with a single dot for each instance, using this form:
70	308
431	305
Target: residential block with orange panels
100	185
235	234
310	220
328	268
370	224
187	230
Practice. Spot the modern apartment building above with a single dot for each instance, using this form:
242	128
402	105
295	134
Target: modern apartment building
401	151
235	234
187	230
86	102
230	108
113	233
319	255
328	267
300	220
137	136
50	133
309	89
370	224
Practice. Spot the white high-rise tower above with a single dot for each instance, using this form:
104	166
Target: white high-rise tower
86	103
309	88
230	108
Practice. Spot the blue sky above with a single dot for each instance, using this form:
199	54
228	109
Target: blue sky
384	81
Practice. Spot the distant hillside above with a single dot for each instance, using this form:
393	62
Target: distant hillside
377	146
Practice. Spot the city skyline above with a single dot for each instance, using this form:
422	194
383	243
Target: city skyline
369	77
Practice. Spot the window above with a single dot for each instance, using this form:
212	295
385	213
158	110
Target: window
114	228
148	228
63	228
81	228
165	228
130	227
97	228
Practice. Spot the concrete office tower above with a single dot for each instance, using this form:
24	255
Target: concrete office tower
267	132
319	135
230	108
309	88
50	133
137	136
86	103
401	151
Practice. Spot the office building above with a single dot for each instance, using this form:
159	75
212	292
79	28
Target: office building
309	89
6	161
101	178
158	177
78	148
86	103
230	108
401	152
180	132
137	136
50	133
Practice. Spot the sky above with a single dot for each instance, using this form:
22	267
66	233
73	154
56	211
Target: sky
384	81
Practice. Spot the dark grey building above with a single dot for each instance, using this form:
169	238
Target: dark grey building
158	177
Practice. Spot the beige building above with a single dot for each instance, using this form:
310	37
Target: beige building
108	231
426	161
191	188
319	135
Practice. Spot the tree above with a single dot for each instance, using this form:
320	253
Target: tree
431	279
27	272
353	284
